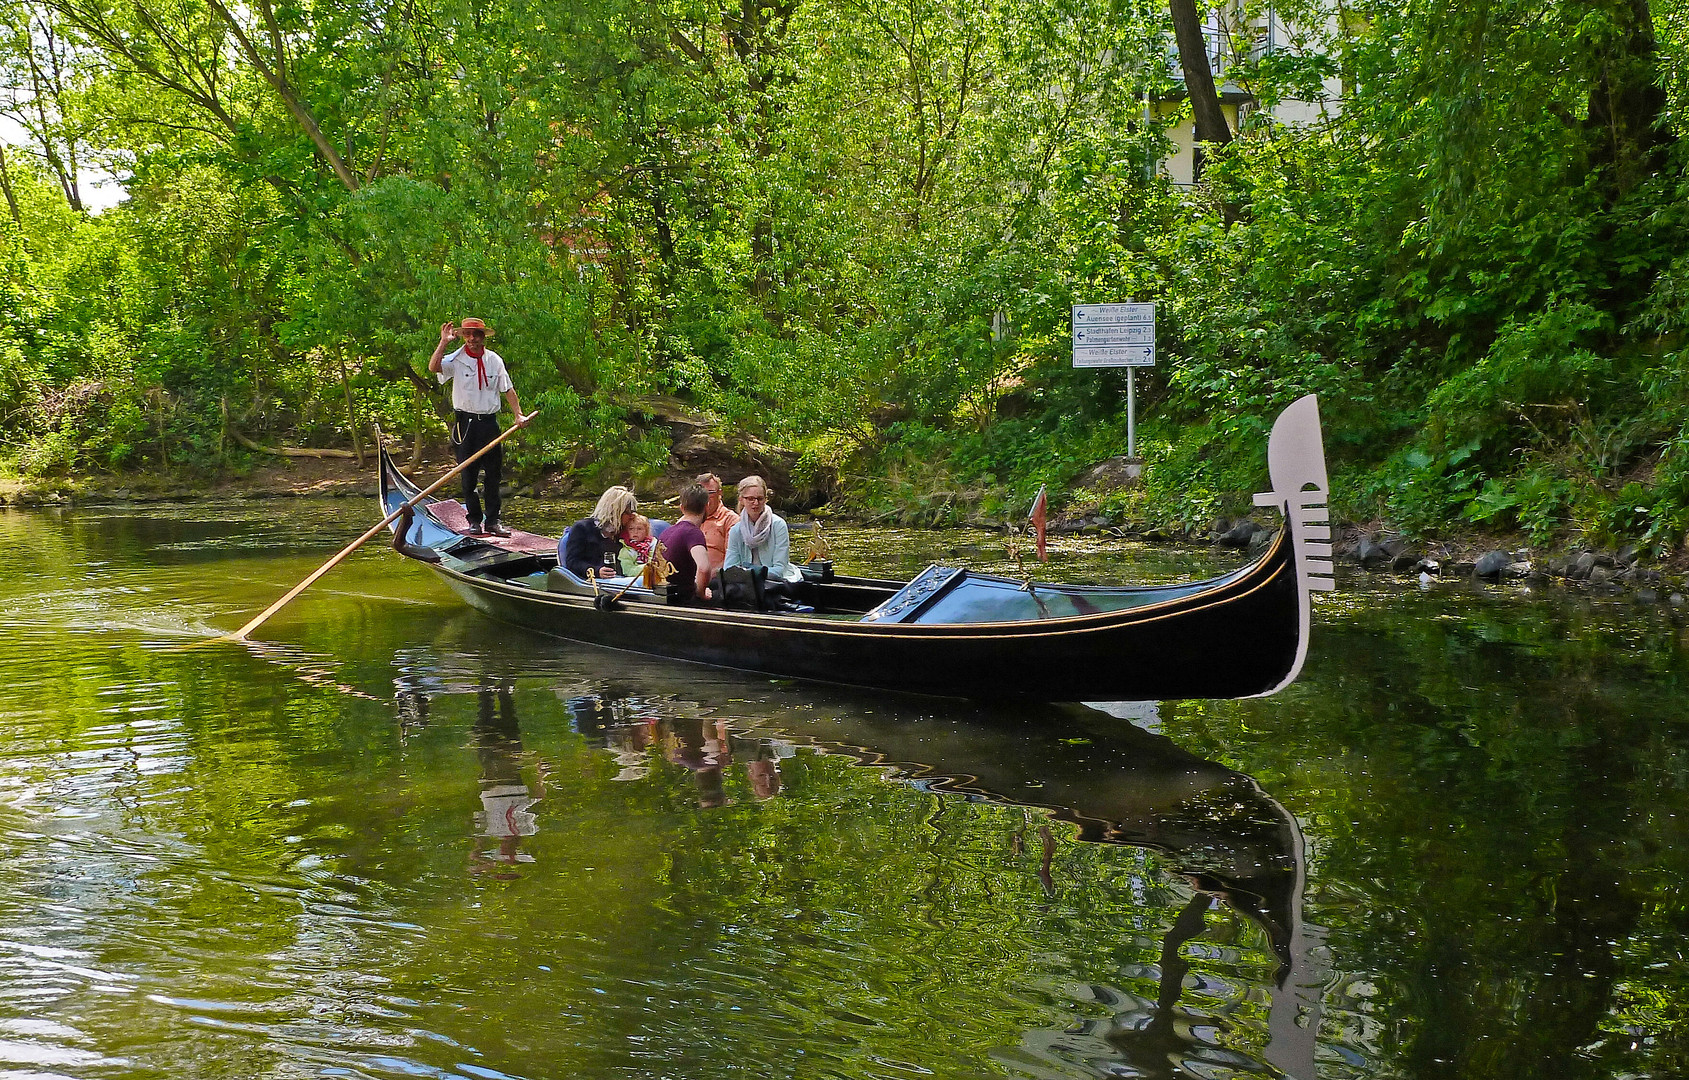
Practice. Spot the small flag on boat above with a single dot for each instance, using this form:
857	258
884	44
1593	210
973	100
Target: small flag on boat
1036	519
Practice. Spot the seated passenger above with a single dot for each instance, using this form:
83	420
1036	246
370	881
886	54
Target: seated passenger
589	548
717	520
684	546
637	546
656	525
760	538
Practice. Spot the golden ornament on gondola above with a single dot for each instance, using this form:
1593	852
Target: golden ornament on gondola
657	569
818	545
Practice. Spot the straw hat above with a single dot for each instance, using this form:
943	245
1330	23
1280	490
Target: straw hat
475	324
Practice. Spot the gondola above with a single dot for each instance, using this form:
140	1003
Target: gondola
949	631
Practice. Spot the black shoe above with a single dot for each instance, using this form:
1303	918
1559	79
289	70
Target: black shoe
495	529
475	529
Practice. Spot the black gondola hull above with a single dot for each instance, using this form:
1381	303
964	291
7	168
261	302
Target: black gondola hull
1233	645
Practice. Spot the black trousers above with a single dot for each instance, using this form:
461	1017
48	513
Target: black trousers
470	433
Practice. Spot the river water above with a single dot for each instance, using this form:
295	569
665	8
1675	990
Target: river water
400	840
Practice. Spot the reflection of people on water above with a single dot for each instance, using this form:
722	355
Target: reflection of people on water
763	772
619	725
629	726
506	814
701	746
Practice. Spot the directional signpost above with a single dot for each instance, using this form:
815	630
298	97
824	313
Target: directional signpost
1116	335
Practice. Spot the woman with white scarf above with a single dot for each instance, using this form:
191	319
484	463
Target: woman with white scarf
761	538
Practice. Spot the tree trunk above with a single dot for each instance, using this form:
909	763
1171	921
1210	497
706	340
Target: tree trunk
1627	100
278	451
351	413
47	89
6	187
416	445
1199	78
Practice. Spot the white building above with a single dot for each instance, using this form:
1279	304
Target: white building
1229	36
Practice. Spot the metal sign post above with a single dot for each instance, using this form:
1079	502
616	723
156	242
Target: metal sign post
1116	335
1131	413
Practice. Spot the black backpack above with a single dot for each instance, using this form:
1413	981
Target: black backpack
740	588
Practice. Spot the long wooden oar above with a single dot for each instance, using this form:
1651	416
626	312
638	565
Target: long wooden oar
240	635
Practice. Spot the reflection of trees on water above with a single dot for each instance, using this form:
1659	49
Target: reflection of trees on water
1501	835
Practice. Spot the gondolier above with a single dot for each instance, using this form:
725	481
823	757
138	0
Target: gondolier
478	378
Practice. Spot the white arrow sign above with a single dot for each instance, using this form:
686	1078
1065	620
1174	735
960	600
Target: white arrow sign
1094	337
1113	335
1101	314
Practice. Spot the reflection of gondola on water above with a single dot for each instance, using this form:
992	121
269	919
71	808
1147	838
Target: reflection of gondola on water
1221	836
1218	838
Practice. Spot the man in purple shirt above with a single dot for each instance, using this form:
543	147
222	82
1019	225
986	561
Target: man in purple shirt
685	547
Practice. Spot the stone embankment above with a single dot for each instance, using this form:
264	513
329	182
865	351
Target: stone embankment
1628	569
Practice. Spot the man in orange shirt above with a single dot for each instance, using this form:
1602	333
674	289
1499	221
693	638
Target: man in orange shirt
718	519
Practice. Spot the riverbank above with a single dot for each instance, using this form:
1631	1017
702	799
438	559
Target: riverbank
1479	556
284	478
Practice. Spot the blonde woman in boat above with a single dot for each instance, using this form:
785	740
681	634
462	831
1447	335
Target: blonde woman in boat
587	543
760	537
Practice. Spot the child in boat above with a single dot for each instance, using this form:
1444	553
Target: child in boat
637	546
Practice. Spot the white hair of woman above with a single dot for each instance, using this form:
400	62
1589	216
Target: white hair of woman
611	506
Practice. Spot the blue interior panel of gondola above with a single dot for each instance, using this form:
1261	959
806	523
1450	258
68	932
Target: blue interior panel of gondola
424	531
982	600
943	594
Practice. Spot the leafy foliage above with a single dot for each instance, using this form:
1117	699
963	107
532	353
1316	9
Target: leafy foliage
858	229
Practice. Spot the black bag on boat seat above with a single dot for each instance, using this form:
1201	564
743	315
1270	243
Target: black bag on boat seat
740	588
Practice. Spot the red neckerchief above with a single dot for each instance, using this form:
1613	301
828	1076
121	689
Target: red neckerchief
480	365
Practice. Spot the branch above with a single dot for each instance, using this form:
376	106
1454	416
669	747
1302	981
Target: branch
278	451
684	44
277	79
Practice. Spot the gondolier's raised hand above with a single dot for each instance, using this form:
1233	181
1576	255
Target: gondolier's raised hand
448	331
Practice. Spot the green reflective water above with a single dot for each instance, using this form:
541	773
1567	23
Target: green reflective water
400	840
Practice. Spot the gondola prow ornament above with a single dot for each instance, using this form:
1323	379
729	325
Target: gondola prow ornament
1296	466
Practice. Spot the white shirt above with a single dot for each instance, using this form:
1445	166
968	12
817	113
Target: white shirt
468	395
